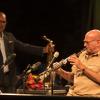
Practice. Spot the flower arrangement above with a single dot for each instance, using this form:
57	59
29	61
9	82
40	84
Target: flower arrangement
32	83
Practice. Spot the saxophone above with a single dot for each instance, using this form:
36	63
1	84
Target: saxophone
56	65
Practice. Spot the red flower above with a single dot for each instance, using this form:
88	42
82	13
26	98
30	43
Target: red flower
33	83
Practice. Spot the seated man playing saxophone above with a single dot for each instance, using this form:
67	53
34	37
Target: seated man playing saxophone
85	73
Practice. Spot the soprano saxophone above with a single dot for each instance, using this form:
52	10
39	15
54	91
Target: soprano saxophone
59	64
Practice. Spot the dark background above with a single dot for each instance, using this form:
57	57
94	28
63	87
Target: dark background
63	21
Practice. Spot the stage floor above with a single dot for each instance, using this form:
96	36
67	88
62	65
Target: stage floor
10	96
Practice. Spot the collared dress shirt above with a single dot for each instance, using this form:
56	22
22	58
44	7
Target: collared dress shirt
84	86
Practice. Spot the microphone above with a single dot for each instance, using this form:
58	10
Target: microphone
10	59
26	69
47	39
56	54
34	67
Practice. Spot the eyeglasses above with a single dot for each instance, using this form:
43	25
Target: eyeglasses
87	42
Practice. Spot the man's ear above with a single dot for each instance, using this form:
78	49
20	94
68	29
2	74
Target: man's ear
98	42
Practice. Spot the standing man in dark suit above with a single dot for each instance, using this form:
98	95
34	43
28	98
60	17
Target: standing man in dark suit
8	45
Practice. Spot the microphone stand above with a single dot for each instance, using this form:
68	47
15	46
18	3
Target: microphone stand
52	82
52	79
50	65
24	79
49	58
24	76
51	73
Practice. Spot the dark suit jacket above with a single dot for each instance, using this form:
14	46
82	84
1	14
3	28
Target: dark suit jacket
8	80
